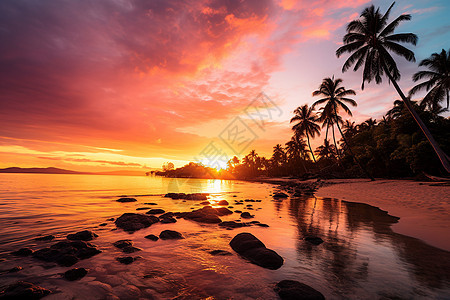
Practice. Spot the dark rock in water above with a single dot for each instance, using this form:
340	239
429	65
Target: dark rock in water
155	211
75	274
294	290
249	200
223	202
126	260
220	252
15	269
22	290
205	203
110	219
167	215
23	252
84	235
262	225
238	211
206	214
103	224
194	196
168	220
130	249
143	208
45	238
131	222
314	240
233	224
126	199
152	237
123	243
67	260
280	195
170	235
150	203
254	222
248	246
66	253
246	215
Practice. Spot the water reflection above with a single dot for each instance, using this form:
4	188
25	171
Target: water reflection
360	246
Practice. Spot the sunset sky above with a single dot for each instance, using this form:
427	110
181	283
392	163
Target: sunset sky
131	84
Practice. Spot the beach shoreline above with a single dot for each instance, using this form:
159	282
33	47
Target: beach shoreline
423	207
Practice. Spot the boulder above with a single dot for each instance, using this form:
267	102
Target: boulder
223	202
170	235
280	195
233	224
23	252
75	274
126	199
45	238
84	235
206	214
123	243
155	211
126	260
132	222
220	252
251	248
168	220
194	196
67	253
294	290
246	215
152	237
23	290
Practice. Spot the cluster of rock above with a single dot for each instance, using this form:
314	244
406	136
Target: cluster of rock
193	196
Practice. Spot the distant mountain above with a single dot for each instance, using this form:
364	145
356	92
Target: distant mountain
39	170
52	170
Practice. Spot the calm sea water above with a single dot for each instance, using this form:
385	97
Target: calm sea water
361	258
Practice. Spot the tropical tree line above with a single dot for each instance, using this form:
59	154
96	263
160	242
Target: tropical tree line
412	137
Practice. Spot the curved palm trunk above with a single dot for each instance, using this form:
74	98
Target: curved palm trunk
310	149
350	149
335	144
441	155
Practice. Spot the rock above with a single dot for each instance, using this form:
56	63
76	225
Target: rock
123	243
167	215
84	235
251	248
249	200
152	237
206	214
246	215
280	195
131	222
170	235
143	208
66	253
262	225
126	199
194	196
150	203
294	290
314	240
15	269
155	211
103	224
23	252
238	211
233	224
126	260
130	249
223	202
75	274
168	220
110	219
23	290
220	252
205	203
45	238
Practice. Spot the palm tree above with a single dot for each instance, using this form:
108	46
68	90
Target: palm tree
326	150
335	98
350	129
306	124
369	39
328	119
438	83
296	150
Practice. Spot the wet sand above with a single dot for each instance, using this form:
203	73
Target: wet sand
423	207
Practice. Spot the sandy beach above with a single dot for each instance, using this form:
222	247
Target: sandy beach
423	207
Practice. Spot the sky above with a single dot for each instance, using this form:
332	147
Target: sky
132	84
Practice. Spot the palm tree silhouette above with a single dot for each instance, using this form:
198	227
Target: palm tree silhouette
326	150
306	124
335	97
296	150
328	119
369	39
350	129
438	83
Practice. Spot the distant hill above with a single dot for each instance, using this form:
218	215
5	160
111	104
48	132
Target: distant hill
39	170
52	170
